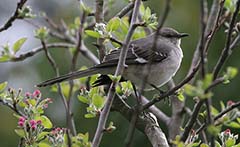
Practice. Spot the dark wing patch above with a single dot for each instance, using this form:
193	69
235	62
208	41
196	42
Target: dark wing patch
104	80
135	55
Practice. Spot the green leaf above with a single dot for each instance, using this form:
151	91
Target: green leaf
214	111
190	90
204	145
213	130
83	99
113	24
98	101
147	12
3	86
4	58
92	33
33	102
20	132
230	142
238	120
207	81
18	44
42	135
181	97
89	115
232	72
43	144
45	121
217	144
222	105
114	78
233	125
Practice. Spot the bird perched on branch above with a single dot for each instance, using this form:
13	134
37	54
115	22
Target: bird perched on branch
160	61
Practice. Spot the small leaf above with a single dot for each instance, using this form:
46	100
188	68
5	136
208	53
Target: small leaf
233	125
3	86
43	144
113	24
42	135
207	81
33	102
213	130
147	13
45	121
83	99
98	101
18	44
204	145
190	90
92	33
232	72
20	132
230	142
181	97
214	111
89	115
4	58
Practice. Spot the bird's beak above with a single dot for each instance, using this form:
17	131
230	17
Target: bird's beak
183	35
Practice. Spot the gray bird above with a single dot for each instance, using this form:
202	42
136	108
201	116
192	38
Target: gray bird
162	61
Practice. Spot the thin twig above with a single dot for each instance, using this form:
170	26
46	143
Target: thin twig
119	71
228	109
227	50
99	17
192	120
212	22
208	103
203	21
55	68
73	68
11	107
36	50
15	16
125	10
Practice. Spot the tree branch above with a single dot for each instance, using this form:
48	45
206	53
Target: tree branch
119	71
15	16
227	50
230	108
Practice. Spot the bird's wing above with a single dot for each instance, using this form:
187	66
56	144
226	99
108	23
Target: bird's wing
136	54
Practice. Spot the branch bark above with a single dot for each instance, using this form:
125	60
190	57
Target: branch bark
119	71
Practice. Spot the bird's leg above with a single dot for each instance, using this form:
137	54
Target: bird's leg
159	90
161	93
135	91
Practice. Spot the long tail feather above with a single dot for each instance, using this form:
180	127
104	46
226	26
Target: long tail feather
70	76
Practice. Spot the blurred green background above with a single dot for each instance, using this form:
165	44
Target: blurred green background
184	17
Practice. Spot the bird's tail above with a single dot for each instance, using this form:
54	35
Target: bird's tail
70	76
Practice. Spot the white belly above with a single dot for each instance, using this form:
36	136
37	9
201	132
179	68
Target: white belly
160	73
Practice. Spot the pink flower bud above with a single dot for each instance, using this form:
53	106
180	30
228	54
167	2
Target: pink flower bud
58	129
49	100
39	122
36	93
22	119
34	127
45	106
32	122
21	123
28	94
230	103
227	132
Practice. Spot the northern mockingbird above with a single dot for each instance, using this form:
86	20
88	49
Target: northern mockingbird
163	61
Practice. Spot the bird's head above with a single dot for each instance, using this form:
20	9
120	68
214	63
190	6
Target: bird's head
171	35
